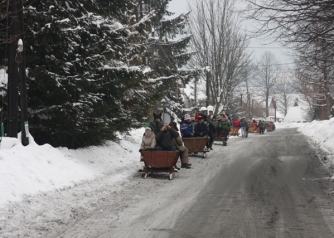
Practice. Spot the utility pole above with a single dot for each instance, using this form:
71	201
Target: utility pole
195	91
207	86
249	105
275	109
252	108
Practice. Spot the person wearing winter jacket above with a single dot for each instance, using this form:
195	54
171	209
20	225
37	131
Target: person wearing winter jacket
261	126
215	122
183	150
242	125
201	128
236	122
165	138
224	129
254	123
211	131
186	126
247	127
148	141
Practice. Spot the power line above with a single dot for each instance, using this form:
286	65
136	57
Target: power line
265	47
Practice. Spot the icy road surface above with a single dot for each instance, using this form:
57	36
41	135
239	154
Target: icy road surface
271	185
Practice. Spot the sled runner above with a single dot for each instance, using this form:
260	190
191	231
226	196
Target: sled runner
159	161
196	145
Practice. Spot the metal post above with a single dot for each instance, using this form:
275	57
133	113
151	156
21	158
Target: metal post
22	77
275	109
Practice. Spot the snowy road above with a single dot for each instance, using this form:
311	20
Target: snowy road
269	185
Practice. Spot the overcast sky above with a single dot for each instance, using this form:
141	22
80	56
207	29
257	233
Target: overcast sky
258	46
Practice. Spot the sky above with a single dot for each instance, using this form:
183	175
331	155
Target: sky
35	169
257	45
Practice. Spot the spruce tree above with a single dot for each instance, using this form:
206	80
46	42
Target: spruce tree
168	56
81	87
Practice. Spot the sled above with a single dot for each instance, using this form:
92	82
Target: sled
159	161
252	129
234	131
269	126
219	137
196	145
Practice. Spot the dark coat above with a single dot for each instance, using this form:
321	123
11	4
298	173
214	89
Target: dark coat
261	124
201	128
165	139
212	128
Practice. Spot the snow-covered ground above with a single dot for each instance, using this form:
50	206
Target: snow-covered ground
36	169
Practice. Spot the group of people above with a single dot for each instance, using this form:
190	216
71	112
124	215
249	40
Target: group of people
158	136
244	126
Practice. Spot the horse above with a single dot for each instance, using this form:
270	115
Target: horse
157	122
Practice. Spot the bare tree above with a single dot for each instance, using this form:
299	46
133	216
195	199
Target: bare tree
268	73
315	78
292	21
219	44
307	27
283	90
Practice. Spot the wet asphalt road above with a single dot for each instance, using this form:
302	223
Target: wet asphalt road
273	186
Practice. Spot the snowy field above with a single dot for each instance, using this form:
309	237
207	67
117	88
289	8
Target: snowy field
36	169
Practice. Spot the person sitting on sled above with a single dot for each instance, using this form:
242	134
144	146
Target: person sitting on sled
148	141
186	126
165	138
201	129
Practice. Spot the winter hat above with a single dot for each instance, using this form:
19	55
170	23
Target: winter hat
147	128
187	117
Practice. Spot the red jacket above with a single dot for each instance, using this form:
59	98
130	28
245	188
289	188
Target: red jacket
235	122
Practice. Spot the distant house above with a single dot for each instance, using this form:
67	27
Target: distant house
273	110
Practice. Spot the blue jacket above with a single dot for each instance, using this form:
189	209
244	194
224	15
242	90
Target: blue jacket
186	128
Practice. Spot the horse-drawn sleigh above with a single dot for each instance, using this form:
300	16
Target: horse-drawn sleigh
159	161
196	145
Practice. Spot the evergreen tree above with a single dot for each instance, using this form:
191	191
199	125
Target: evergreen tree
81	88
168	56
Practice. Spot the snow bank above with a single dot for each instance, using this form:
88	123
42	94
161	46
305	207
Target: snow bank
322	132
33	169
